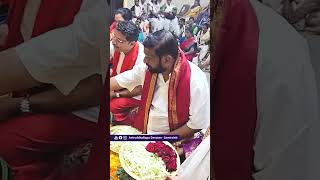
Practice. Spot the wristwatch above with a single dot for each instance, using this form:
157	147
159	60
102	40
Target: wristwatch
25	105
117	95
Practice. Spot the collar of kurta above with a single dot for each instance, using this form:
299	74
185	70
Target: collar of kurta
178	96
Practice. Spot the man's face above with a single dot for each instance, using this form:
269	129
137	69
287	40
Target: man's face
118	17
152	61
204	28
181	22
138	22
136	2
142	1
196	3
191	21
169	2
120	43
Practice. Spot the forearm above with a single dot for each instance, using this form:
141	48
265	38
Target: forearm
85	95
13	74
114	85
126	93
184	132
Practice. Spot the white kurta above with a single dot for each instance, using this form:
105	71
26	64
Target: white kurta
158	116
65	56
139	60
288	126
197	165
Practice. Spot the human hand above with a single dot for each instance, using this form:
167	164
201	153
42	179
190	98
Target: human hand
112	94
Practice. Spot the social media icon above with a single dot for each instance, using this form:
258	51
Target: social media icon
116	138
124	137
120	137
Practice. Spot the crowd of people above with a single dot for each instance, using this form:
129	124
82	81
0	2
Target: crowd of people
191	26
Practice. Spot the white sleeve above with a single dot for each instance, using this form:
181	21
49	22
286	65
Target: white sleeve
132	78
199	100
64	56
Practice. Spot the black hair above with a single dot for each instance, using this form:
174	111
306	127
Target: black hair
125	13
189	30
191	18
163	42
206	24
129	30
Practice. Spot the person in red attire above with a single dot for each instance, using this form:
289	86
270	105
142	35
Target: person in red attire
175	92
45	47
128	53
121	14
189	45
265	101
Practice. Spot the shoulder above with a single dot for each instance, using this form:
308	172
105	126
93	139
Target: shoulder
197	76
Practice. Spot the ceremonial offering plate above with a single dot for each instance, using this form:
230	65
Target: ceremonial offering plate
121	130
143	162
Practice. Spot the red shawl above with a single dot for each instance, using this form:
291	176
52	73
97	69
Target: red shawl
234	92
128	62
186	45
113	27
52	14
47	19
178	96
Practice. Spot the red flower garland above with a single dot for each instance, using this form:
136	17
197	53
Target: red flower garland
165	152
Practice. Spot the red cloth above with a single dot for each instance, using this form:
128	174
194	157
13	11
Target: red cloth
49	19
46	20
128	62
112	27
121	107
234	92
178	96
33	145
186	45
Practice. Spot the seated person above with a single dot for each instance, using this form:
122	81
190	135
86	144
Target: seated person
189	45
194	10
175	91
128	53
38	128
122	14
203	36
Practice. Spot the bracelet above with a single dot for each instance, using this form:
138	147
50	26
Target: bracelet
25	105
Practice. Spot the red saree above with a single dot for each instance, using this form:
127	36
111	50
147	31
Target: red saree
234	92
178	96
186	45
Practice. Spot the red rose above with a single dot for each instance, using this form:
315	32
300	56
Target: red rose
151	147
172	154
160	144
172	166
166	159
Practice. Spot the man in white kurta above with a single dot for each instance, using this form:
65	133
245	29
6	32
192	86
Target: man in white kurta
199	111
62	57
